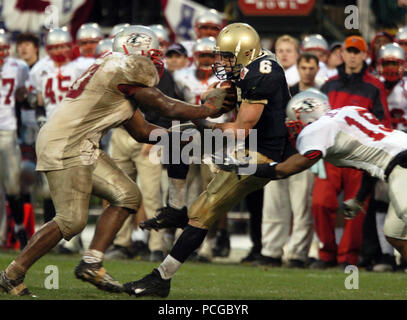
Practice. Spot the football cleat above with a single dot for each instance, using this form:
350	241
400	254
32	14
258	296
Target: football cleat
168	217
151	285
14	287
98	276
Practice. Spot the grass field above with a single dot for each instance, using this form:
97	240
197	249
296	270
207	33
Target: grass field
218	281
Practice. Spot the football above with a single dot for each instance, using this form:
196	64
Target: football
231	90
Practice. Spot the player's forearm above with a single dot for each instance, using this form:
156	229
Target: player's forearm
143	131
275	171
180	110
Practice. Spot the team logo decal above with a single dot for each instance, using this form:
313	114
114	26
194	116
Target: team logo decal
139	40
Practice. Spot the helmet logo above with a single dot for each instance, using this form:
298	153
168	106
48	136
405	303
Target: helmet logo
139	40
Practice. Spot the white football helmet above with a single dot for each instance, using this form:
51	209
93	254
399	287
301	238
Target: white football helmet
211	19
105	45
56	38
117	28
304	108
4	46
314	42
205	46
135	40
391	62
89	31
162	35
139	40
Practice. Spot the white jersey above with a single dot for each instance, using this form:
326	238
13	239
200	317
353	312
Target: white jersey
292	76
397	102
53	82
353	137
96	102
191	87
13	76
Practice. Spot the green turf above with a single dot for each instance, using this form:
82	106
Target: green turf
196	281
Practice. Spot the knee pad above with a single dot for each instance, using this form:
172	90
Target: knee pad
71	227
130	200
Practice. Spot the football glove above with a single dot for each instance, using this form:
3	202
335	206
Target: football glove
351	208
229	163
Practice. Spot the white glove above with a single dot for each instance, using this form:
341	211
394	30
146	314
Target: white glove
351	208
319	169
229	163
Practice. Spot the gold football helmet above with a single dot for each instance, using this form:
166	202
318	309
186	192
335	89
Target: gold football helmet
237	45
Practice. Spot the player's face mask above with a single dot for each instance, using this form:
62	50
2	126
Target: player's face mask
60	53
207	30
294	129
225	67
204	62
391	70
4	52
88	47
156	57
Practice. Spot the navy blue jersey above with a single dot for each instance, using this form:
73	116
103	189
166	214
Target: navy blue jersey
263	81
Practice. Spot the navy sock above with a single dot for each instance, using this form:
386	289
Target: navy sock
190	240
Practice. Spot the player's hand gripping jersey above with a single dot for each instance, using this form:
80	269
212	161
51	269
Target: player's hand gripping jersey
263	81
353	137
95	103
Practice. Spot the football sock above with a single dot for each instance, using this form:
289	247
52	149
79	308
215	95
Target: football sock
93	256
385	246
190	240
14	271
140	235
169	267
176	193
49	209
16	206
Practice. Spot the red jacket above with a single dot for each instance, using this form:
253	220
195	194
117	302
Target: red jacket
358	89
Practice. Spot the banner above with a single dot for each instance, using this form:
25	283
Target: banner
276	7
35	15
180	16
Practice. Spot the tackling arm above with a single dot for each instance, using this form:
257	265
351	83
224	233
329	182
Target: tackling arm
246	119
140	129
154	99
294	164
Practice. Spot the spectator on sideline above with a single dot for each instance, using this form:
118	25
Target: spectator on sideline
287	52
353	85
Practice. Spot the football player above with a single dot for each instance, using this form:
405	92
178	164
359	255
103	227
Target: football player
348	137
107	95
13	75
316	44
264	95
51	78
207	24
87	38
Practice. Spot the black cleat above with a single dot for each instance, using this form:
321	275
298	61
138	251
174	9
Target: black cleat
222	247
14	287
168	217
151	285
98	276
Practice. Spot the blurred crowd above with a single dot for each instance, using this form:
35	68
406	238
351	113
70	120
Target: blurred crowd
294	222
